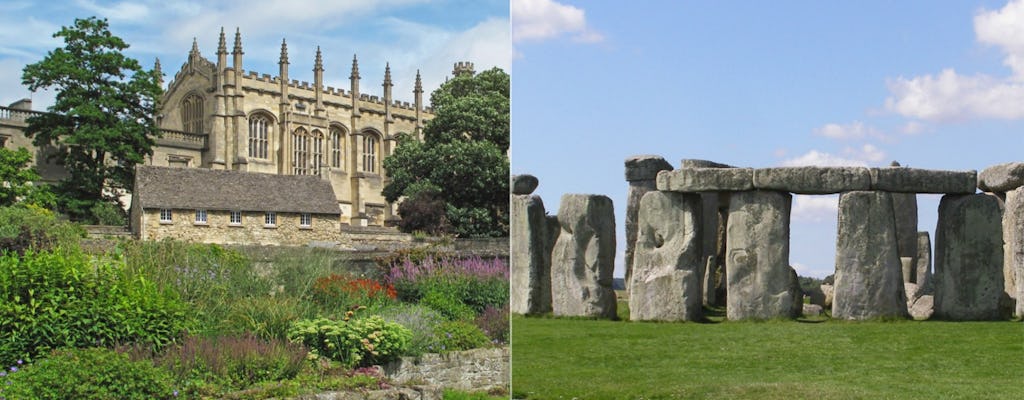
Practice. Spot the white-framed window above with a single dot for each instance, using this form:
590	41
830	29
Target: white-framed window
305	220
201	217
369	152
259	133
236	218
270	219
165	216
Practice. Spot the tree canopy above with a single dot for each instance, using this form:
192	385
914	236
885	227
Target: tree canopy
101	123
462	159
16	178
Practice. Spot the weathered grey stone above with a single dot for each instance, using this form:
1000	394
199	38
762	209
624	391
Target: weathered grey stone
665	284
524	184
470	370
812	180
811	310
907	267
904	206
830	292
1013	249
645	167
869	278
760	282
923	274
692	180
708	280
695	163
709	202
1001	177
583	258
923	307
969	258
530	258
916	180
641	172
816	296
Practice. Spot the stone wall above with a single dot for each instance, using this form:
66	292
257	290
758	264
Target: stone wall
324	228
471	370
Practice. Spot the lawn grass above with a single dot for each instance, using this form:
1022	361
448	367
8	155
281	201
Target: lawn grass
593	359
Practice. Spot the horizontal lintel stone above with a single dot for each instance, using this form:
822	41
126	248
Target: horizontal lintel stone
1002	177
706	180
916	180
812	180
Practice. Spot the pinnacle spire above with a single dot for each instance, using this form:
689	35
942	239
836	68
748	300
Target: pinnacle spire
419	83
355	68
318	64
238	41
195	47
222	47
387	74
284	52
156	66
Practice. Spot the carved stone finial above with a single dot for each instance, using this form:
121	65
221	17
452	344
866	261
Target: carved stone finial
387	75
355	68
419	83
222	47
284	52
318	64
238	41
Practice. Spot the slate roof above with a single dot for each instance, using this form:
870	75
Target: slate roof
201	188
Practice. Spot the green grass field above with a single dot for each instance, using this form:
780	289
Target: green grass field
591	359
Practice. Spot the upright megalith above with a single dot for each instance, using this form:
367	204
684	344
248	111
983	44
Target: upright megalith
665	284
530	253
969	258
641	173
869	277
582	260
714	208
1013	249
923	272
759	279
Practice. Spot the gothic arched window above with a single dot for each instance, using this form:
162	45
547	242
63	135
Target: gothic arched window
318	151
337	147
259	134
192	114
300	152
370	149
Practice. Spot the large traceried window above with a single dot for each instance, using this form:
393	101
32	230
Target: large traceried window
192	114
337	147
300	152
318	151
259	134
369	152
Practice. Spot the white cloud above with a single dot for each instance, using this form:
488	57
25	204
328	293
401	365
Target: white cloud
952	96
912	128
815	208
123	11
1004	28
822	159
547	19
854	130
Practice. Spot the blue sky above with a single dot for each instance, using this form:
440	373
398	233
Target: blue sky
936	85
430	35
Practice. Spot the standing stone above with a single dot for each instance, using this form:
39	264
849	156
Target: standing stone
1013	249
969	258
1002	177
904	206
829	291
708	287
665	284
714	206
524	184
924	262
583	258
760	281
869	277
641	173
530	256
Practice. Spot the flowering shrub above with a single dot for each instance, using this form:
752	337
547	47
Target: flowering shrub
419	319
494	323
343	292
444	283
353	342
93	373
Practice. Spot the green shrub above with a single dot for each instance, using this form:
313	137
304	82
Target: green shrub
267	317
51	300
448	284
92	373
447	302
31	227
107	213
355	342
419	319
494	322
460	335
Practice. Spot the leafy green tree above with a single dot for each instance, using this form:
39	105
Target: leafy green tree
102	121
16	178
463	157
